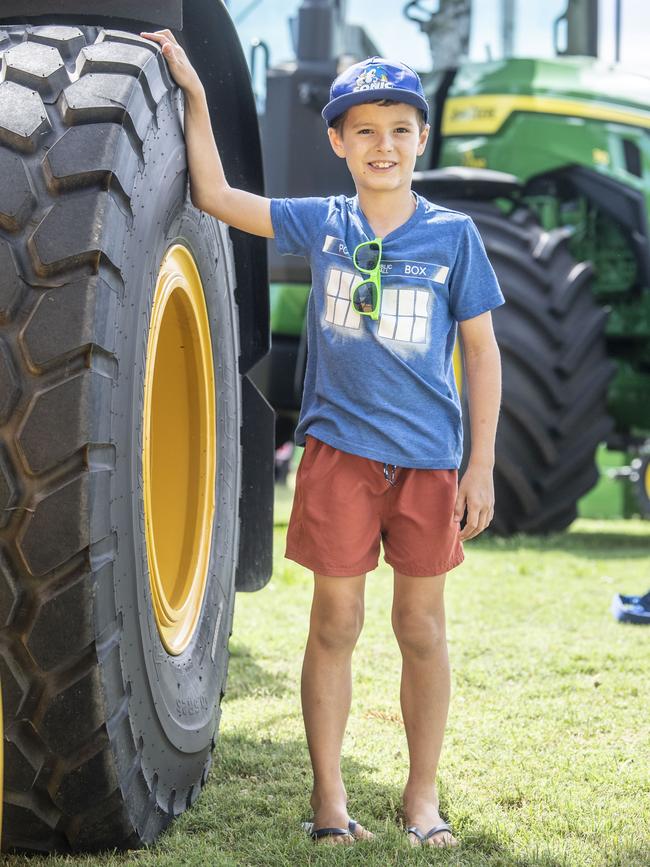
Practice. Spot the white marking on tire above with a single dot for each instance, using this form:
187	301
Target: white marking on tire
216	631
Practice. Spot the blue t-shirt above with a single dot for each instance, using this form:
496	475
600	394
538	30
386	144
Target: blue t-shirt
385	389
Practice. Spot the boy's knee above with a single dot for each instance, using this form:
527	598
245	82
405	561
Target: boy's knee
418	633
337	629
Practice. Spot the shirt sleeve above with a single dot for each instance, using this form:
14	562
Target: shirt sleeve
473	287
295	223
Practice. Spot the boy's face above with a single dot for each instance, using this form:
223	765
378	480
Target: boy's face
380	144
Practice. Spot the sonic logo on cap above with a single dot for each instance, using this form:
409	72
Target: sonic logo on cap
374	78
365	81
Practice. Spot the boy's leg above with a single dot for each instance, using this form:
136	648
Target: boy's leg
335	624
418	619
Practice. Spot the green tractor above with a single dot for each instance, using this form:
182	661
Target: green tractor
136	455
551	158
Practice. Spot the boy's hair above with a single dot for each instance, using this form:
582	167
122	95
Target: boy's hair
338	122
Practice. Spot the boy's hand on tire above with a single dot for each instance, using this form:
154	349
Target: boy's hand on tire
476	494
180	67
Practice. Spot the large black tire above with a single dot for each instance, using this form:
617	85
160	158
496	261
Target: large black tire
107	736
641	484
551	333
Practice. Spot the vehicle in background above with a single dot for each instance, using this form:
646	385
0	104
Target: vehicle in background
551	158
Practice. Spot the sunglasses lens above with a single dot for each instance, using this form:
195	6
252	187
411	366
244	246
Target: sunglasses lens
364	297
368	256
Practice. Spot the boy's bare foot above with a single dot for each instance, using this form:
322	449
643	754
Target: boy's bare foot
358	832
335	839
335	815
361	833
423	813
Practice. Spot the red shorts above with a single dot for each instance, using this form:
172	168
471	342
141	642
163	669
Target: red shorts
343	505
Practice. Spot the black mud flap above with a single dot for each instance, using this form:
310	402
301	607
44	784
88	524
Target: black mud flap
257	486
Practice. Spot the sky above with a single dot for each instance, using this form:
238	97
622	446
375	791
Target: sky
399	38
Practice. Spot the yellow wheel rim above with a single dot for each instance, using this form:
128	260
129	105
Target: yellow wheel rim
458	366
179	449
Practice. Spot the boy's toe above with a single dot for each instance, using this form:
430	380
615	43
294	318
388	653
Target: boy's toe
338	836
443	839
359	832
436	836
333	837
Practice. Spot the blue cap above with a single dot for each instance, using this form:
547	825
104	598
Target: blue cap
375	78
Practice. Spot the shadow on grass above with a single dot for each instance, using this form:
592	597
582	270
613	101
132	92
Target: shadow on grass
258	795
247	679
583	544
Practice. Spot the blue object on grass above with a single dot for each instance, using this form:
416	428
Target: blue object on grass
631	609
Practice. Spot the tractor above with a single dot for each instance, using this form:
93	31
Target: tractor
551	158
136	454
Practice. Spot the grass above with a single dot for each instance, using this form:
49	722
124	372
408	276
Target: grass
546	760
610	497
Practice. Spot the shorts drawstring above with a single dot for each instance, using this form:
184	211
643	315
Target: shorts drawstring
390	478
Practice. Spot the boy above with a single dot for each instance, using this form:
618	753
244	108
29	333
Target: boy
380	417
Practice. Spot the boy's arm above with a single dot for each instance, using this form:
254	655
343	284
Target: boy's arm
483	375
209	189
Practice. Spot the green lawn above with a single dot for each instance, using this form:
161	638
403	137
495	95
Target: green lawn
547	753
610	498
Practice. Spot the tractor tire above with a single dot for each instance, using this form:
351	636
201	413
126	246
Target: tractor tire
641	484
110	715
551	335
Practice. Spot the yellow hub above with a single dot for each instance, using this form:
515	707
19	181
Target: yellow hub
458	366
179	448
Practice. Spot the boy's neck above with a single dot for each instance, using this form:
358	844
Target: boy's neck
386	211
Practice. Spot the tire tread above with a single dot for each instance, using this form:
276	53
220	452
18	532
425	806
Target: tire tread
555	372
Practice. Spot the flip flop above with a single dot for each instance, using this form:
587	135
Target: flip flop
631	609
328	832
430	833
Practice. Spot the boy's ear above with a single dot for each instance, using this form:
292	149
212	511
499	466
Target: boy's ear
422	142
336	141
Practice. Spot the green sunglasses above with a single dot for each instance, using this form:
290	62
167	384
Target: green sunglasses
366	296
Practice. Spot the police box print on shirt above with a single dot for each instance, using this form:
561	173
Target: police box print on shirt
384	389
406	300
